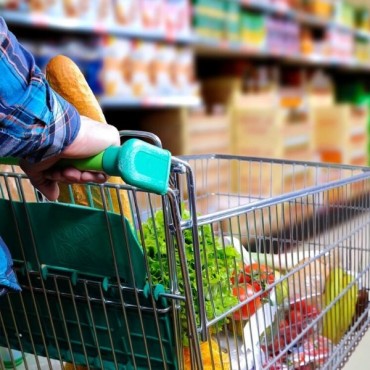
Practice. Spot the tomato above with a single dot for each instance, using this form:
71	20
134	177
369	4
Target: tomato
306	306
257	272
296	319
307	309
243	292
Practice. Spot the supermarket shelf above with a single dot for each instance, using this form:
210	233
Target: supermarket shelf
301	17
209	47
204	47
40	20
149	102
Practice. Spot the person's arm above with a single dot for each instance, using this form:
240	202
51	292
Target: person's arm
38	125
35	122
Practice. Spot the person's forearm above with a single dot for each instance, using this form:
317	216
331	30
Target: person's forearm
35	122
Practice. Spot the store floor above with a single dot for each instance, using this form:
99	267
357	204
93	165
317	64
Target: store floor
360	357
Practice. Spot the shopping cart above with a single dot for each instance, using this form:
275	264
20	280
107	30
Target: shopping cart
244	263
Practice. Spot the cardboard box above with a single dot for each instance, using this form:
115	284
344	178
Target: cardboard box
340	133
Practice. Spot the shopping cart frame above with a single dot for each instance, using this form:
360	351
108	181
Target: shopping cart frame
181	168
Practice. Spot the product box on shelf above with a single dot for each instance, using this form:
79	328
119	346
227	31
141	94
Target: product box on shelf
260	126
348	144
209	19
127	13
319	90
232	21
140	59
253	30
116	67
320	8
340	44
152	14
283	37
344	13
362	50
142	69
166	19
340	137
177	16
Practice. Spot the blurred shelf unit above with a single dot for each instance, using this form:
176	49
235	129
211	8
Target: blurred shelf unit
312	13
259	29
107	102
322	34
137	53
150	59
264	123
207	48
93	26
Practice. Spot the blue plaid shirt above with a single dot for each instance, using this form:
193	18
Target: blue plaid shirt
35	122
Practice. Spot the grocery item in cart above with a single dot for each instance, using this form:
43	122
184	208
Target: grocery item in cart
341	308
102	322
217	262
67	80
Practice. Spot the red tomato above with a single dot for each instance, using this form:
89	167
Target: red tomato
296	319
243	292
258	275
257	272
306	308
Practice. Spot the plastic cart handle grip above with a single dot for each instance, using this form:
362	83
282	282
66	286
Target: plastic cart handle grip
138	163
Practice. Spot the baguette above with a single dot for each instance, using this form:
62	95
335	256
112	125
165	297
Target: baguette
65	77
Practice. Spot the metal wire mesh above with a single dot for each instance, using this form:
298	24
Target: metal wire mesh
304	220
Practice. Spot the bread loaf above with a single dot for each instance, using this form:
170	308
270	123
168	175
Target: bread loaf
65	77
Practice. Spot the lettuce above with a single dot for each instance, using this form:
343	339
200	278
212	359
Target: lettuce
218	263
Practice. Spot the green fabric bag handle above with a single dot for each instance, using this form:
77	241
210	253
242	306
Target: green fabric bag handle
138	163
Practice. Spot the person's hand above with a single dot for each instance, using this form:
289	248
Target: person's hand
92	139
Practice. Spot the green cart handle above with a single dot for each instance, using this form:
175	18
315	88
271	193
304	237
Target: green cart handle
138	163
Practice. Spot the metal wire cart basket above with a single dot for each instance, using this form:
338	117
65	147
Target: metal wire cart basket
246	263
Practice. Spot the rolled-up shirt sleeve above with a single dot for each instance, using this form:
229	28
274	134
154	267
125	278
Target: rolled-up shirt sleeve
35	122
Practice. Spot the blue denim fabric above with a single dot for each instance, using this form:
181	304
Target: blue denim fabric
8	279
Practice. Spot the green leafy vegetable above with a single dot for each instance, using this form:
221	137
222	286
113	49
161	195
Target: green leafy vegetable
218	263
